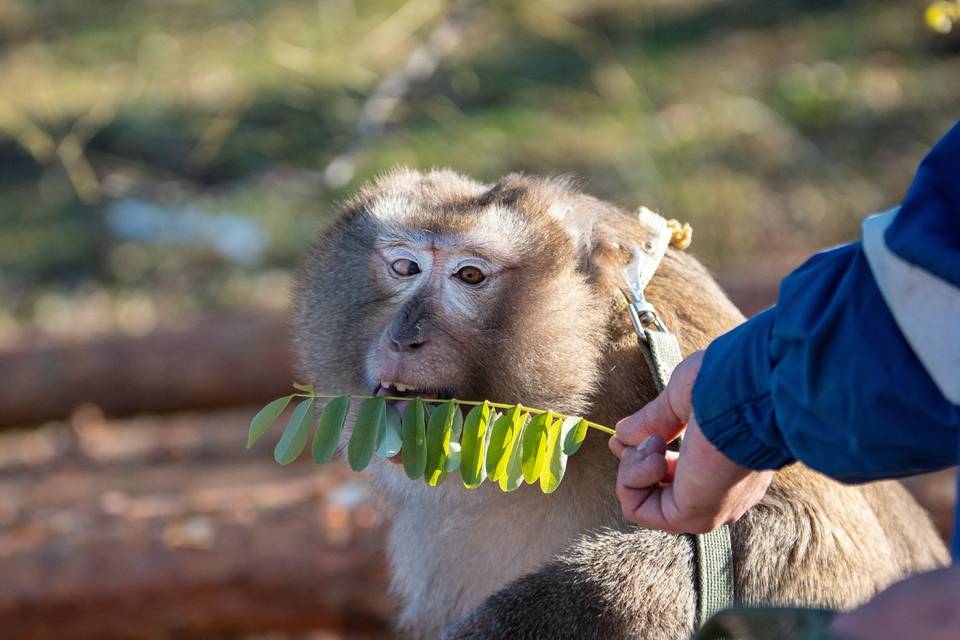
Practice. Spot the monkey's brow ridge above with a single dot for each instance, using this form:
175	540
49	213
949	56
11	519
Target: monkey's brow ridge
486	249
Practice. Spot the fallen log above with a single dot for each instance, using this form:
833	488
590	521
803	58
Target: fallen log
225	361
122	543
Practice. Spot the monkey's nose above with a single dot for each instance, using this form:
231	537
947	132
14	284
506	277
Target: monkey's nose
406	345
410	339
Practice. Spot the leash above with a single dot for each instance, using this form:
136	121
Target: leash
712	552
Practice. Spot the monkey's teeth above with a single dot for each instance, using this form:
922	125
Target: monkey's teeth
388	387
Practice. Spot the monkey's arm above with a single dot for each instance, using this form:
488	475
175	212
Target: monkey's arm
608	585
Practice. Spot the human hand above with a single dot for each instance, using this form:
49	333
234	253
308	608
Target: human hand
694	491
924	606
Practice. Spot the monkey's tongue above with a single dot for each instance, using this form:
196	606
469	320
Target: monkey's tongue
399	405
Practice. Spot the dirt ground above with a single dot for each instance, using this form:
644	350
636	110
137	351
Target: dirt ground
160	527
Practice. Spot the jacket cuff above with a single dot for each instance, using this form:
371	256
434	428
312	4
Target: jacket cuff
731	396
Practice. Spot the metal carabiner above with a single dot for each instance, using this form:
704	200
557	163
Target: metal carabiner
642	312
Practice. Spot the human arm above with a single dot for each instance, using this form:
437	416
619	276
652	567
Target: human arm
830	376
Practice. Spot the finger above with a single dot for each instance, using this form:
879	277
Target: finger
647	502
658	511
652	443
680	388
643	506
656	418
671	457
641	469
631	501
637	481
616	446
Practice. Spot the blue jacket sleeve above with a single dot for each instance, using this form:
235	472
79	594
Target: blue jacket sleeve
828	376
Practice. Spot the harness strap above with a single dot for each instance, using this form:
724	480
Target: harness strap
713	557
712	552
662	353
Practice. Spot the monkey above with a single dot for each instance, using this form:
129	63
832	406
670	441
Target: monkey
434	284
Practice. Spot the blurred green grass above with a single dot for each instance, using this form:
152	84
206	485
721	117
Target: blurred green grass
769	125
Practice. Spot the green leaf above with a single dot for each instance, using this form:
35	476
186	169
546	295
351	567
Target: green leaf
512	476
363	440
534	446
501	442
556	463
327	436
573	431
453	458
266	417
473	445
438	442
306	388
390	440
457	427
295	434
494	416
414	436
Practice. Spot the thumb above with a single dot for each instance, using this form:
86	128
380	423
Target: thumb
657	418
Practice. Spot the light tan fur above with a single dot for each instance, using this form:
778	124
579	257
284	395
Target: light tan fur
555	334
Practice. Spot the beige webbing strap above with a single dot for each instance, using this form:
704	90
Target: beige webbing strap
712	552
713	559
662	353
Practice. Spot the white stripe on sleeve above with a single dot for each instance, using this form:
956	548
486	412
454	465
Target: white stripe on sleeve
925	307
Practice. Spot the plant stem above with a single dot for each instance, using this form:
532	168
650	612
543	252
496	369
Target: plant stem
497	405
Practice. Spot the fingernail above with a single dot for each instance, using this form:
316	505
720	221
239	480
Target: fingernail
646	444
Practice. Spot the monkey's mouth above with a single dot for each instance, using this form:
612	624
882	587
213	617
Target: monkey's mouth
400	390
397	390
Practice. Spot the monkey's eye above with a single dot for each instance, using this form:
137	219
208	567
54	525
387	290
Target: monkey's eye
471	275
404	267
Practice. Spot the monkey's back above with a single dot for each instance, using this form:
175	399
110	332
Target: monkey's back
811	542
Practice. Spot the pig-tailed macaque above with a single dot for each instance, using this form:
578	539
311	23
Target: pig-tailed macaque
433	284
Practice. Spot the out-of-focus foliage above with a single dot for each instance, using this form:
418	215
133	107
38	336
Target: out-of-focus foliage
163	159
941	16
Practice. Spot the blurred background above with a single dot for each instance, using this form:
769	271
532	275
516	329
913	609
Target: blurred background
164	165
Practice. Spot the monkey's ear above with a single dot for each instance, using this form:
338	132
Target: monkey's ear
602	234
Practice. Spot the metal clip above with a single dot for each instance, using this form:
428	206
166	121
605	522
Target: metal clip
642	312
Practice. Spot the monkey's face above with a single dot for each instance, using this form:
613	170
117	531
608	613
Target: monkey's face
429	286
441	288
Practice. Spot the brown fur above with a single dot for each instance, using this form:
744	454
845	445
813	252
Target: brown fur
527	565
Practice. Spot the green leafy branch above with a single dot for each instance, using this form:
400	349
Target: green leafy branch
506	444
